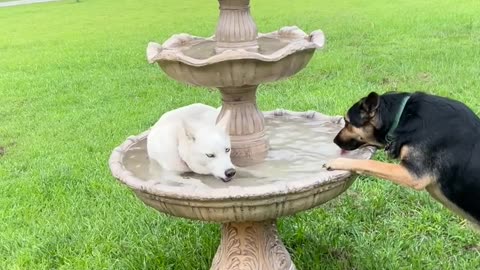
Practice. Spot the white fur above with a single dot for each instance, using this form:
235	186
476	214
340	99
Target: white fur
182	138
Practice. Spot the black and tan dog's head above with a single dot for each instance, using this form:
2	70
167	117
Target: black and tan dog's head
361	123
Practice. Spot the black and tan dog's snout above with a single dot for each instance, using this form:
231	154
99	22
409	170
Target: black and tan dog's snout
347	143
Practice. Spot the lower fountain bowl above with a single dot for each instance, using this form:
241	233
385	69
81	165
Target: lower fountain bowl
290	180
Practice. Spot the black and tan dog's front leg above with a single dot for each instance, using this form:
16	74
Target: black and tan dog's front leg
393	172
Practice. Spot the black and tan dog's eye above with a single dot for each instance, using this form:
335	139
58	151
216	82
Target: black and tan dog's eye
227	150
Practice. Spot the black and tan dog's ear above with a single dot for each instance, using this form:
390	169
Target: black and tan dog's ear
370	104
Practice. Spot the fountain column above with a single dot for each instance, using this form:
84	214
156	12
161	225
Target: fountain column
247	126
237	30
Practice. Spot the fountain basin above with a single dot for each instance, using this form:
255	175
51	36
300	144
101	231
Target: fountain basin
195	60
291	179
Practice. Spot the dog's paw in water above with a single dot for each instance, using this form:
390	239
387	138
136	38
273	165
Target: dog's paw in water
337	164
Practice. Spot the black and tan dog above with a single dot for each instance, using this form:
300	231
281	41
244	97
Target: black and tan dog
436	139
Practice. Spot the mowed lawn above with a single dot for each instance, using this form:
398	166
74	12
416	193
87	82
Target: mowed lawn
75	83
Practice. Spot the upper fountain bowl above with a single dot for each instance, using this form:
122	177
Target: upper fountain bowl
195	60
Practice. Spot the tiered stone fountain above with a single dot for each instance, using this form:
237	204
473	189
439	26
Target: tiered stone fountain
279	154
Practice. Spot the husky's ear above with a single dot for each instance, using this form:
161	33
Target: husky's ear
188	131
224	123
370	104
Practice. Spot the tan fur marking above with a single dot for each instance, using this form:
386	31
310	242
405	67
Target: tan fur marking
404	151
366	132
392	172
375	122
361	134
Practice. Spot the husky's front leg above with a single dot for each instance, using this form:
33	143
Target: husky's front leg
393	172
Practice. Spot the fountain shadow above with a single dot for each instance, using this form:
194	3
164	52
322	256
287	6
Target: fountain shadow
173	244
312	250
324	237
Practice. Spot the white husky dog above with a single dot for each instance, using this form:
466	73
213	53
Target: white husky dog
188	140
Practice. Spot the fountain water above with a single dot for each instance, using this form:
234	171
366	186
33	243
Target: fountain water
279	153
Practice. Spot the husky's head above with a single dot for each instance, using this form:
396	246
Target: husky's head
206	150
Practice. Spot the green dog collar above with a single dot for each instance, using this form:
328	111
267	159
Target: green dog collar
390	137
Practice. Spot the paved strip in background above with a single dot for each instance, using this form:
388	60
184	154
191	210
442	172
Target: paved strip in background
22	2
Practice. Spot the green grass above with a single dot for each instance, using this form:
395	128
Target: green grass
74	83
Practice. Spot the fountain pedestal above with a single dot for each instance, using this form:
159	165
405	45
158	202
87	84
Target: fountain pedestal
251	245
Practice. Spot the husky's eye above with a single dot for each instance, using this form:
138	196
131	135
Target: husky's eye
227	150
210	155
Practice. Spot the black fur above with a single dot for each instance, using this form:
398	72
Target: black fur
445	136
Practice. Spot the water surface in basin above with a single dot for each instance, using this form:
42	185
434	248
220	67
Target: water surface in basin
206	48
299	148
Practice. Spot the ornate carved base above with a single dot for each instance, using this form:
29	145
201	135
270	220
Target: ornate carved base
251	246
247	125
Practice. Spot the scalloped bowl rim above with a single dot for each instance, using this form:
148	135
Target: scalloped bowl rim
171	50
230	192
